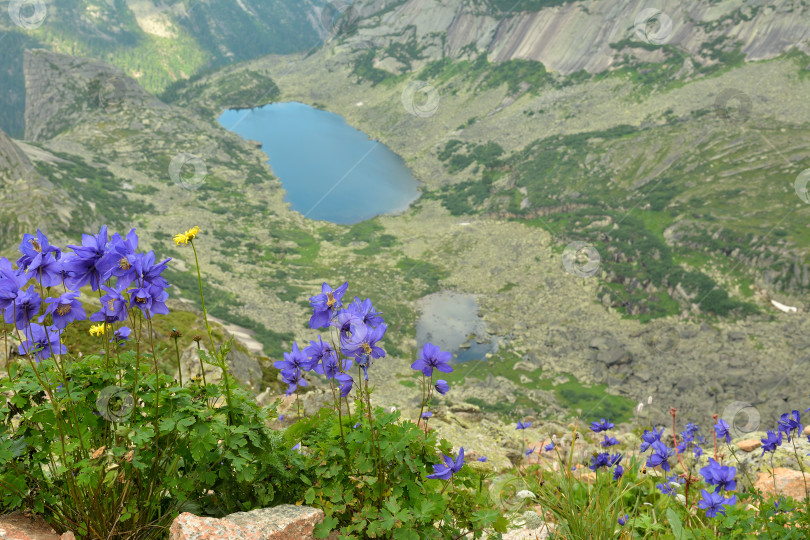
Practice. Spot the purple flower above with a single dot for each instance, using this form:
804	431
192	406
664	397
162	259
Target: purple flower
722	430
151	300
24	309
64	310
150	271
623	520
42	341
121	335
698	452
325	304
442	387
713	503
294	378
295	360
618	471
718	475
790	422
603	425
321	354
346	383
427	414
443	471
771	441
345	320
529	451
650	437
366	312
11	281
609	441
482	459
34	249
659	456
120	259
84	266
432	358
523	425
599	460
364	341
113	307
668	488
549	447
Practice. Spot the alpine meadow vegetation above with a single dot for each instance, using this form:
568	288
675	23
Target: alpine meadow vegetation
105	443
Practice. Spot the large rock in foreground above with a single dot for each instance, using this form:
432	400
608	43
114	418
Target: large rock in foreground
284	522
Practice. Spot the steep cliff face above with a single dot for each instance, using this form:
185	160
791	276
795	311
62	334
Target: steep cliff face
578	35
62	90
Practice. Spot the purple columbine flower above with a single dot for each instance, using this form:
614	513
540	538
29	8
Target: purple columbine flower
113	307
346	319
34	248
24	309
64	310
364	341
121	335
529	452
623	520
549	447
151	300
713	503
427	414
718	475
722	430
442	387
659	456
789	422
84	266
650	437
482	459
322	354
432	358
325	304
366	312
599	460
444	471
11	282
294	360
294	378
121	258
618	472
609	441
771	441
603	425
150	271
523	425
346	383
42	341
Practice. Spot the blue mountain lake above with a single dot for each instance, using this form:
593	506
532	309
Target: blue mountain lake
330	170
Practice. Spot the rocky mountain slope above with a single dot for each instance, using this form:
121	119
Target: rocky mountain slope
155	42
582	35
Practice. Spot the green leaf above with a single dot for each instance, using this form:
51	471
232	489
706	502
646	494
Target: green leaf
675	523
309	496
323	529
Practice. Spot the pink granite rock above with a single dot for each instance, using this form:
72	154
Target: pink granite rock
18	526
284	522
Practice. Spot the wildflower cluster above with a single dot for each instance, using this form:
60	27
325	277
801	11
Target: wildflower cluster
356	331
130	280
606	459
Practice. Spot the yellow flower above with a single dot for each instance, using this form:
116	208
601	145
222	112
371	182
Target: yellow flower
184	238
97	330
